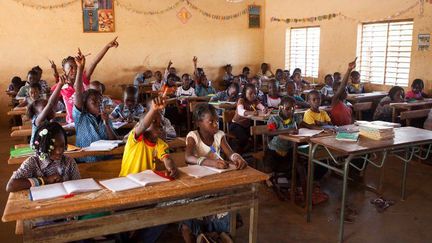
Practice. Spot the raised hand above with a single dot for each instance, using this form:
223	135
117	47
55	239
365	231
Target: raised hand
159	103
62	79
195	59
170	63
352	64
113	43
80	59
53	65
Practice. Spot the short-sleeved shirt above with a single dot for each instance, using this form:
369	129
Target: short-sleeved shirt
156	86
139	79
140	154
277	123
383	111
411	95
181	92
203	91
88	129
122	111
310	117
327	90
203	150
35	167
272	102
355	88
341	114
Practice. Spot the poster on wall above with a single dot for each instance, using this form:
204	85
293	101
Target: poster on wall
254	16
98	16
423	42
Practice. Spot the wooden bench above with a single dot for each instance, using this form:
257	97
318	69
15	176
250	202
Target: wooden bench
360	107
407	116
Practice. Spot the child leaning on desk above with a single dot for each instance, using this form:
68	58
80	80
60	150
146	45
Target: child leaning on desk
204	147
49	165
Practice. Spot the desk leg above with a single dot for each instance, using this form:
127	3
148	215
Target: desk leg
294	173
407	155
344	188
253	219
394	114
233	223
312	149
255	138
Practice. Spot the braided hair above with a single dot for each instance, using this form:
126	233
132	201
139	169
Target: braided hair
44	139
202	109
87	95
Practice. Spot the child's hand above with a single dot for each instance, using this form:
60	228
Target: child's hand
294	132
62	80
170	63
239	163
352	64
104	116
80	59
217	163
159	103
53	66
172	172
255	113
52	179
113	43
195	59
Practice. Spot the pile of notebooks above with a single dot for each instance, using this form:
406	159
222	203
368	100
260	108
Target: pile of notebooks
376	132
104	145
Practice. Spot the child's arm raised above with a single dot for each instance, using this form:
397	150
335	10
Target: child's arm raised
235	158
79	87
192	159
99	57
195	61
344	82
52	101
159	103
54	68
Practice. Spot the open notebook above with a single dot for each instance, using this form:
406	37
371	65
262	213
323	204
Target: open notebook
133	181
104	145
198	171
62	189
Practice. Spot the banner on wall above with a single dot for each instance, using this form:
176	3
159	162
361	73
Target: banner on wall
98	16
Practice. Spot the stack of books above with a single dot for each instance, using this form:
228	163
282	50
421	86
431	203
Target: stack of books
376	132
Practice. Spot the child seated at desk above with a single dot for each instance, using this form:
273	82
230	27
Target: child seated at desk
247	105
291	89
31	78
416	92
205	146
384	111
91	123
337	77
158	83
327	90
228	76
32	95
341	113
314	118
202	87
186	89
42	111
15	86
231	94
278	156
272	99
49	165
130	110
143	78
169	88
355	87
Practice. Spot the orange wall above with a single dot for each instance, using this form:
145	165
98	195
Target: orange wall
30	37
339	36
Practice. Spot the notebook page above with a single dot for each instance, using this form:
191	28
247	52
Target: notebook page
47	191
230	167
83	185
119	184
197	171
305	132
146	177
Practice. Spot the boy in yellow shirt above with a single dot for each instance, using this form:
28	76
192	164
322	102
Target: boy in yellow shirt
314	118
145	145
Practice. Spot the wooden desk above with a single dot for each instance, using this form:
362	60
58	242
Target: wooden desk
406	138
26	132
20	112
426	103
76	154
364	97
135	209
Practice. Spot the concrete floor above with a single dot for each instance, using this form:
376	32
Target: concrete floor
406	221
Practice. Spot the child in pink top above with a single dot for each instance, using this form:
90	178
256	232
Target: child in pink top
416	91
70	70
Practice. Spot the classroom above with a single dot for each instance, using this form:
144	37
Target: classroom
215	121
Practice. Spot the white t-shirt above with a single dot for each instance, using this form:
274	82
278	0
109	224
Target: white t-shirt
157	86
273	103
181	92
201	149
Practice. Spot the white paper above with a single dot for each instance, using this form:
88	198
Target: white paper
83	185
103	145
118	124
230	167
197	171
305	132
47	191
119	184
147	177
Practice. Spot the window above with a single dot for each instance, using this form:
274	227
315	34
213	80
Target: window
385	52
302	50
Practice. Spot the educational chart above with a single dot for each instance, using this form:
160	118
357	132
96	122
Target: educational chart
98	15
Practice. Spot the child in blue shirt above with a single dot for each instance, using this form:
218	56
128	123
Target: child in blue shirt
90	123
